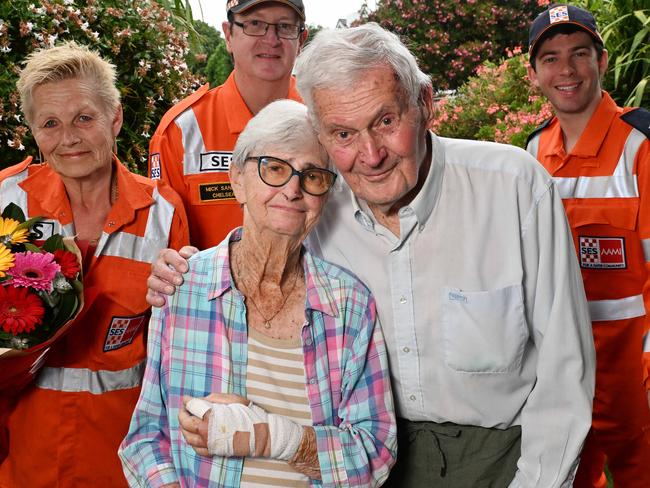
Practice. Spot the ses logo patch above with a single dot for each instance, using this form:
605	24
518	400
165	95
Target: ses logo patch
154	164
602	252
122	331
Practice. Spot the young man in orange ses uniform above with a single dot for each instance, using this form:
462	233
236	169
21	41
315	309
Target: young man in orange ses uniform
192	146
599	156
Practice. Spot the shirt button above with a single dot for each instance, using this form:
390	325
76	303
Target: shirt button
406	350
111	223
309	342
412	398
402	300
312	381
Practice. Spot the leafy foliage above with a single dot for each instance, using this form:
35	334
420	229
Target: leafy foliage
208	41
219	65
498	104
138	36
625	27
450	38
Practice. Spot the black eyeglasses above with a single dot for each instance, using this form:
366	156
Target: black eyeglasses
258	28
277	172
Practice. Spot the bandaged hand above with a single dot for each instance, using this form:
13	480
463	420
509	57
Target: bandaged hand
241	430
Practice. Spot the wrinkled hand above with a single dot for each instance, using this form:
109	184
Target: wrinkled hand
167	273
195	430
232	426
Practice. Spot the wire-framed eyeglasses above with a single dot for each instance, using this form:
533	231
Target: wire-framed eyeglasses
277	172
259	28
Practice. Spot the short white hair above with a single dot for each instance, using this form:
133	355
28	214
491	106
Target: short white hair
338	59
281	124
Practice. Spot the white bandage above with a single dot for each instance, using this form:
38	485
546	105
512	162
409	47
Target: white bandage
228	419
198	407
286	436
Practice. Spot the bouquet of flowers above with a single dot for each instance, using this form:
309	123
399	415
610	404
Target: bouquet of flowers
40	294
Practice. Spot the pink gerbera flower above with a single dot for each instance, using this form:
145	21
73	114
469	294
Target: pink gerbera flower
34	270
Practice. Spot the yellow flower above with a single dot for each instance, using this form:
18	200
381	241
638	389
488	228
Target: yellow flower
9	234
6	260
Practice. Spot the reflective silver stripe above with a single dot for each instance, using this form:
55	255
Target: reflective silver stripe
74	380
623	308
615	186
646	342
646	249
621	184
156	236
533	145
193	145
11	192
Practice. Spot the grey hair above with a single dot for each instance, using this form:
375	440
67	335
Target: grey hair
338	58
68	60
283	124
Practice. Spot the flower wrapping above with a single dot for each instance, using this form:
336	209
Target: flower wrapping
40	296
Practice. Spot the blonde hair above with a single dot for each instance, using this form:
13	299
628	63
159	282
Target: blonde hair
66	61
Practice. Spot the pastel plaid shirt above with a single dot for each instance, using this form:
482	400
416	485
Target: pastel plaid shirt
197	345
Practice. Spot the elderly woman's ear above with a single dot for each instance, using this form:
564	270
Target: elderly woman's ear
118	118
236	176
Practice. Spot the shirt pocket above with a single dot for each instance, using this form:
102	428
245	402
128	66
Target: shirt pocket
620	213
484	331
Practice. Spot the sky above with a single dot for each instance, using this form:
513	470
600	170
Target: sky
320	12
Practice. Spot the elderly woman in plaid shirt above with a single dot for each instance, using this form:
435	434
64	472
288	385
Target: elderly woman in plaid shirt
267	367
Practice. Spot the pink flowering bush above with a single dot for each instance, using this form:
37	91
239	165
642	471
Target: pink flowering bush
137	36
497	104
451	38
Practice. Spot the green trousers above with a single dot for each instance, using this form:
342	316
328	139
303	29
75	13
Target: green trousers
454	456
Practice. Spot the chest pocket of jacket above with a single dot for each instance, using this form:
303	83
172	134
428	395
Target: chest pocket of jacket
484	331
620	213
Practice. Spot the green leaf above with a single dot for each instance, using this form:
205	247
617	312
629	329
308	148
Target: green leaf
67	307
54	243
31	247
28	224
13	211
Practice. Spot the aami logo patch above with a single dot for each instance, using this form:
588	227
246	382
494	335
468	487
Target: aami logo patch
602	252
122	330
154	164
215	161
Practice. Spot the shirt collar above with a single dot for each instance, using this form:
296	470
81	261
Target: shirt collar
319	293
132	196
594	134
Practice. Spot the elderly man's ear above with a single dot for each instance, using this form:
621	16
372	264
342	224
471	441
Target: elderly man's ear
425	102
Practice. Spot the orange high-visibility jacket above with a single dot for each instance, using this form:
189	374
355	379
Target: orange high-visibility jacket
191	151
605	186
66	428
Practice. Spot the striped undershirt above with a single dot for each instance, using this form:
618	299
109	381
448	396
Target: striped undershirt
276	382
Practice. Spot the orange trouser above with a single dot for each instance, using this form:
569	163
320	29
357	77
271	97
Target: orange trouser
620	431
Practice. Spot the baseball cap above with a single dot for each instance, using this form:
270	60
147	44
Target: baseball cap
562	14
239	6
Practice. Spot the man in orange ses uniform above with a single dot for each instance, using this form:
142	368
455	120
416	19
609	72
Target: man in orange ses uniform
599	156
192	147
